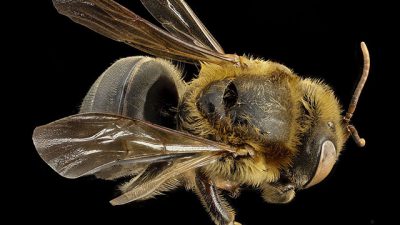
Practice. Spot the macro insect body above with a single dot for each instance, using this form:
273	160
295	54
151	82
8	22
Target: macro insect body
243	121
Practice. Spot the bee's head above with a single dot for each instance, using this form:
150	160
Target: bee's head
325	131
321	138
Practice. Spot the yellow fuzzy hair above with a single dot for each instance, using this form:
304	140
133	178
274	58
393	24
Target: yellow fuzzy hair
266	165
320	100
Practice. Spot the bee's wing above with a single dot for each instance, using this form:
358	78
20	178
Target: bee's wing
142	189
118	23
179	19
85	144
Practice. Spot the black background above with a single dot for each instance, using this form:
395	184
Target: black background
315	39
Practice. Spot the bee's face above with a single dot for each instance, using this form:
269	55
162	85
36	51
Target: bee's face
320	143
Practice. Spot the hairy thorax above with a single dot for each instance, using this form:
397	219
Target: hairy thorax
255	107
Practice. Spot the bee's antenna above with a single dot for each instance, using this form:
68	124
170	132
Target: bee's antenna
353	103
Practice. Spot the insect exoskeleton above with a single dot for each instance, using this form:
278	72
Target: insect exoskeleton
144	88
242	121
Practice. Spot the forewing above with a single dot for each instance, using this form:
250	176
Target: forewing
118	23
84	144
179	19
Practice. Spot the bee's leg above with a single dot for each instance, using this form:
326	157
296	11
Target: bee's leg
232	187
218	208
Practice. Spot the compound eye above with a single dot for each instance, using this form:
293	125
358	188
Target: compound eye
327	159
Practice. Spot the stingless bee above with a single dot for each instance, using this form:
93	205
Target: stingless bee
241	122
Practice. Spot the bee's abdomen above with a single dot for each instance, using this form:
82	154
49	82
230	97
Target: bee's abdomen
138	87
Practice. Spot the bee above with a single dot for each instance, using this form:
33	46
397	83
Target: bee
241	122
